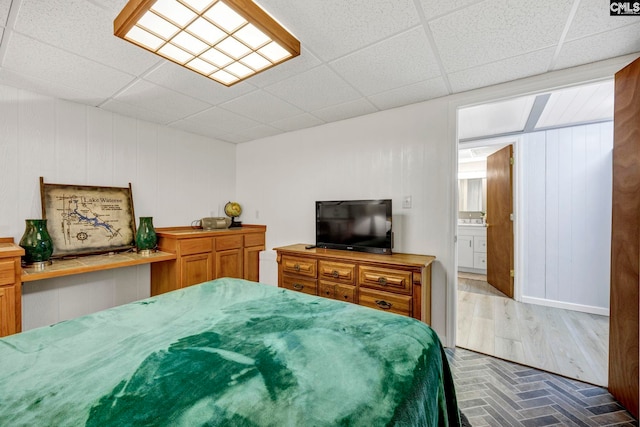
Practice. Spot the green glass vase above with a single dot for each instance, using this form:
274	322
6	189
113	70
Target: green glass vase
36	242
146	238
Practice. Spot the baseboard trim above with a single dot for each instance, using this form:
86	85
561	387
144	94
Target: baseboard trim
567	305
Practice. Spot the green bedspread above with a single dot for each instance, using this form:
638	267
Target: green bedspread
228	353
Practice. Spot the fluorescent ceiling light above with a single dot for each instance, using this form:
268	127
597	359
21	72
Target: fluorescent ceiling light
224	40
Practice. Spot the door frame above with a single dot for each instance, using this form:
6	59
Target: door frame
532	85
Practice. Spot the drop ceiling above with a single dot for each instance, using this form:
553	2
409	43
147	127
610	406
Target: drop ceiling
358	57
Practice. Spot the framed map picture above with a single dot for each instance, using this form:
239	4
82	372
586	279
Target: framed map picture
83	219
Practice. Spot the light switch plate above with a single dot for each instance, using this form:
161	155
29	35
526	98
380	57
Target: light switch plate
406	202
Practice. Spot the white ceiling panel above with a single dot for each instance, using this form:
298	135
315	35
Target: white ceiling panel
298	122
495	118
350	109
580	104
410	94
148	96
224	121
83	28
309	92
380	67
46	63
512	68
494	30
262	106
621	41
357	57
592	17
346	25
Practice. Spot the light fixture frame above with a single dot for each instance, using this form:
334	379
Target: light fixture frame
250	11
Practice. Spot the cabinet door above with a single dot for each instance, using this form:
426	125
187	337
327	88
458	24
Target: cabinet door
480	261
196	269
229	263
480	244
8	311
465	251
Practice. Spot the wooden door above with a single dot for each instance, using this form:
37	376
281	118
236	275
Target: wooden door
499	224
196	269
625	240
229	263
251	263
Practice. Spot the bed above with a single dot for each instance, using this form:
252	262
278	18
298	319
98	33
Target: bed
228	353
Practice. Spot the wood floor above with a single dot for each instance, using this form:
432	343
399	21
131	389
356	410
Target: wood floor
565	342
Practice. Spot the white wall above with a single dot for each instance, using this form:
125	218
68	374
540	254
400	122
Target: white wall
567	181
389	154
176	177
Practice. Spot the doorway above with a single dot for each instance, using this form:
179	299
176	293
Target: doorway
543	326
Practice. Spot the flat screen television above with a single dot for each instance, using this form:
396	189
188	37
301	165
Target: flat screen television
355	225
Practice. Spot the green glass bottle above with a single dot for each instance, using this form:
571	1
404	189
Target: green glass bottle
146	238
36	242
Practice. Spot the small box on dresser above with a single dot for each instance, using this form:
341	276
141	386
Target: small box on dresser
398	283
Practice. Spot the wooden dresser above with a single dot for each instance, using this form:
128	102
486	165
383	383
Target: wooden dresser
398	283
10	287
204	255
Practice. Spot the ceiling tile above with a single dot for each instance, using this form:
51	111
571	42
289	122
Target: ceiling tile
262	107
494	118
175	77
350	109
383	66
308	90
434	8
38	60
618	42
223	120
494	30
83	28
138	112
148	96
5	5
52	89
410	94
298	122
332	28
505	70
262	131
199	127
592	18
305	61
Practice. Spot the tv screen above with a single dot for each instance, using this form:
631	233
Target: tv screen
355	225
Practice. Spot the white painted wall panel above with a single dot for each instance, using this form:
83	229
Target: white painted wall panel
176	177
390	154
568	216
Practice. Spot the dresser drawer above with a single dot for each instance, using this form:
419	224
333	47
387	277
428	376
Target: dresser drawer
299	266
337	271
385	301
228	242
255	239
7	272
301	285
386	279
196	246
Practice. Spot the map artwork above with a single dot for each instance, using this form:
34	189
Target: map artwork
84	219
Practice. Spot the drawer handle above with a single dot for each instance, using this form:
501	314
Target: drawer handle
335	274
382	281
296	267
383	304
298	286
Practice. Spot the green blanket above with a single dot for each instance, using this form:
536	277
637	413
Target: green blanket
228	353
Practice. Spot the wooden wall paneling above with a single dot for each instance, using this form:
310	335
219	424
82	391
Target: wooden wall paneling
70	144
125	152
533	174
8	155
625	241
100	147
562	223
36	151
552	210
146	182
576	283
